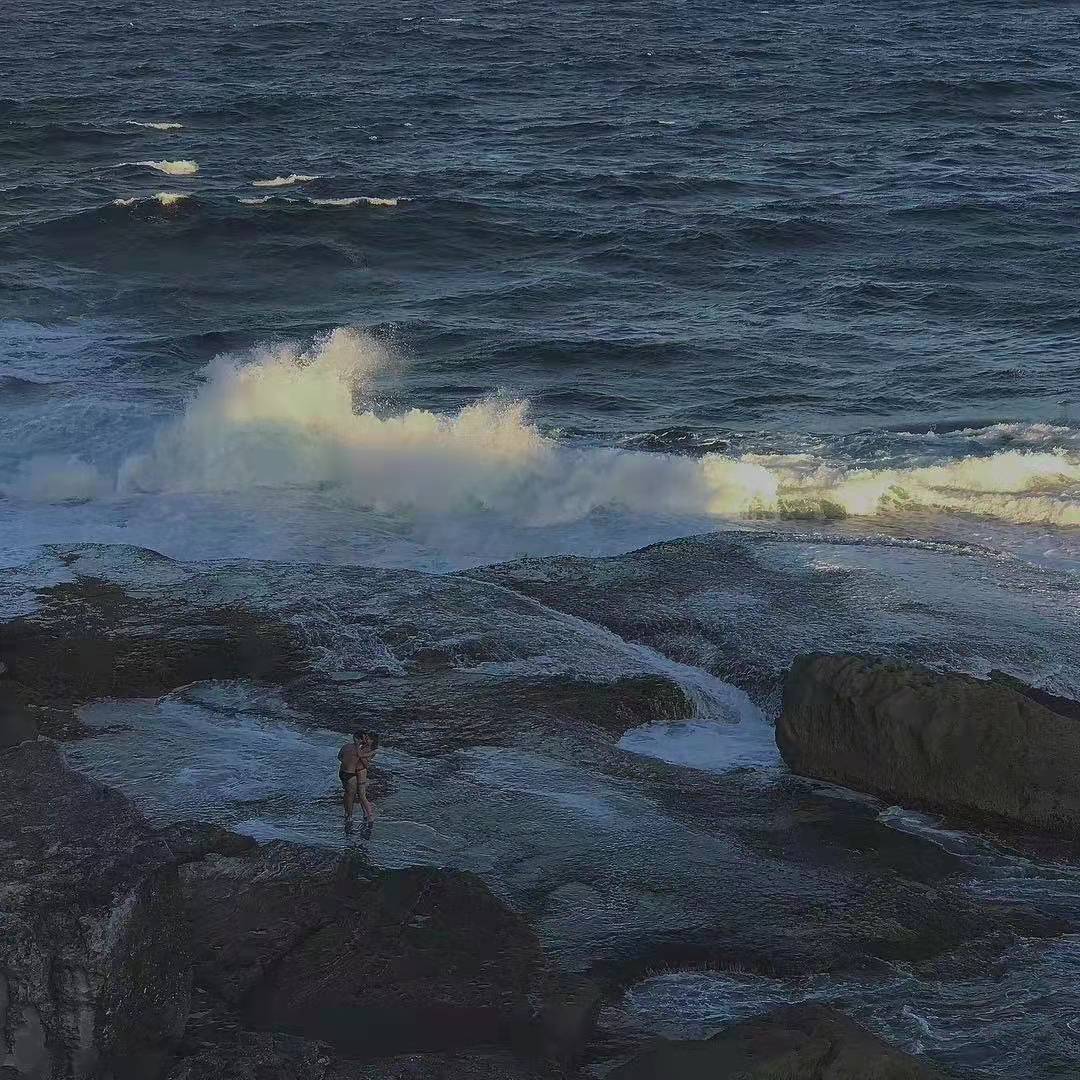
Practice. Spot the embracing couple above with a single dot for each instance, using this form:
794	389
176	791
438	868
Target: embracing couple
356	758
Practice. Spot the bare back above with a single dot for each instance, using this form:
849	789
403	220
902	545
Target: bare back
349	756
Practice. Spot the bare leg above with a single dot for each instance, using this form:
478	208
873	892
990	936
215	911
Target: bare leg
361	790
350	797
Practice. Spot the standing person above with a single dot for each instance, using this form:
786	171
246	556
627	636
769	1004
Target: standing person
355	758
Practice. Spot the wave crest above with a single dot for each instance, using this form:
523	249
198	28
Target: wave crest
284	181
290	418
170	168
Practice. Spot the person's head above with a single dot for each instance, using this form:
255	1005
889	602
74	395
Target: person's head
366	740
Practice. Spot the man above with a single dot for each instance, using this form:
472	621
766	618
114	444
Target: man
355	758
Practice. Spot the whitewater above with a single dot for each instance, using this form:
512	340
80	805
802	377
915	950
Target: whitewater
280	424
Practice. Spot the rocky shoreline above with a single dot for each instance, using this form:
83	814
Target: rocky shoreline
188	950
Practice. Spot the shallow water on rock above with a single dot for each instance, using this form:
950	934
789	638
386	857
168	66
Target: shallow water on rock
1019	1017
1015	1015
595	862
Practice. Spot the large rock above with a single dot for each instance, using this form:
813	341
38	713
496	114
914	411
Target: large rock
944	742
272	1057
217	1047
89	638
798	1043
480	664
426	959
376	963
95	970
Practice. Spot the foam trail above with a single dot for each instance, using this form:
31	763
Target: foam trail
356	200
284	181
170	168
162	125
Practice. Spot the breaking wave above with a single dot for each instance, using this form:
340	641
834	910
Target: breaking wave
170	168
289	418
284	181
166	198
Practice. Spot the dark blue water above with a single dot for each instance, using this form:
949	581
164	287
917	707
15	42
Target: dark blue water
842	231
566	276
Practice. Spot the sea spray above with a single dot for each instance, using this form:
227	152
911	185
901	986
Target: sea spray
306	419
285	418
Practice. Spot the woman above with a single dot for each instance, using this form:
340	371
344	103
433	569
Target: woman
356	757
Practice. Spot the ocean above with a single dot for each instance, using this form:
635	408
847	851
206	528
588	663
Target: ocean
427	287
434	285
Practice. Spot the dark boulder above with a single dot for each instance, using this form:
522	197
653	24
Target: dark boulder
247	913
95	969
798	1043
423	959
91	638
263	1056
939	741
420	959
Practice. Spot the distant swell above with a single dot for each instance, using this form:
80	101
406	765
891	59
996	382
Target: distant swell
302	419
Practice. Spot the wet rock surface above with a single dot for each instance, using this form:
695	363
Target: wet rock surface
416	655
90	638
95	972
950	742
190	841
503	697
801	1043
743	605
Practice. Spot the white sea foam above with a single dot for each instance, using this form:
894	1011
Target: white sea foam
157	125
284	181
288	418
357	200
166	198
260	201
1027	487
170	168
